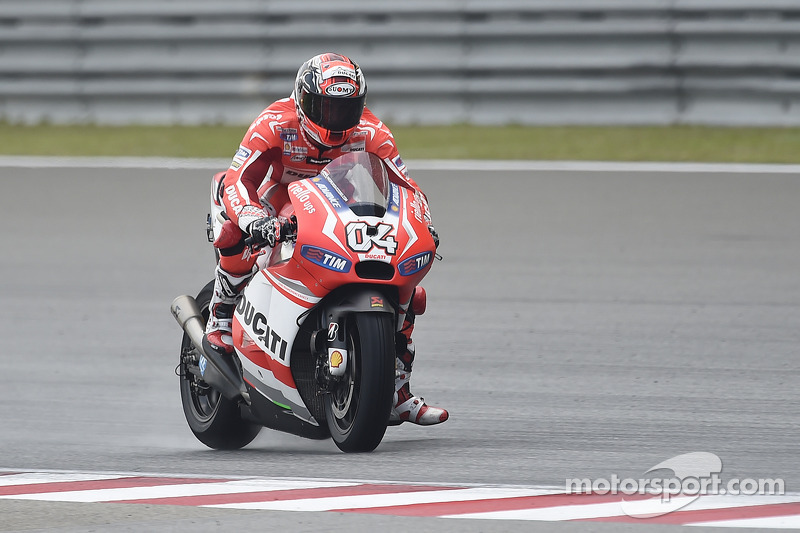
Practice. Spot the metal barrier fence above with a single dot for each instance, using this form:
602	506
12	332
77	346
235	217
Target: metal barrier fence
445	61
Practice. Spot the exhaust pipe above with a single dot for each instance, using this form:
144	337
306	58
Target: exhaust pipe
222	373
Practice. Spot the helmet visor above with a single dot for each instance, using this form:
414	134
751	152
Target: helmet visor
333	113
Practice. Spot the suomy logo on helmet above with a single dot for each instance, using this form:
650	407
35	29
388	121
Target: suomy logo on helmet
340	89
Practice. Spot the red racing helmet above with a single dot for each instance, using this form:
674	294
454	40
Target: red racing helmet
330	93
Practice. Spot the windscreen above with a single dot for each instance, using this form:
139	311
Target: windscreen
362	181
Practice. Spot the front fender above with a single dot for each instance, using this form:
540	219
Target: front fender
359	299
335	309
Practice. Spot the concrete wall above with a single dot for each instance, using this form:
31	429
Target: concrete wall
427	62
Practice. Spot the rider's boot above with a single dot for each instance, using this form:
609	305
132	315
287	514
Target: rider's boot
227	287
406	407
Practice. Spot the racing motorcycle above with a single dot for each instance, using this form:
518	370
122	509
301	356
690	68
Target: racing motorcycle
314	331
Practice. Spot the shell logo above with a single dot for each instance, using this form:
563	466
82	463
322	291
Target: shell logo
336	359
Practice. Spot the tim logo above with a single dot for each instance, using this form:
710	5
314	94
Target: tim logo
325	258
361	237
412	265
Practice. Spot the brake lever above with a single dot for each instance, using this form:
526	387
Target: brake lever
291	230
252	244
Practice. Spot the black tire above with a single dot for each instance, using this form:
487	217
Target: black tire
214	420
357	411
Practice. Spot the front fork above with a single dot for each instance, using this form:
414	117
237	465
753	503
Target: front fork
329	342
329	346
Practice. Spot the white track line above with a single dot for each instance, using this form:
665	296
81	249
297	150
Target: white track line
177	490
165	163
53	477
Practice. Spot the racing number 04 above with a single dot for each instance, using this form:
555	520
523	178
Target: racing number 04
362	237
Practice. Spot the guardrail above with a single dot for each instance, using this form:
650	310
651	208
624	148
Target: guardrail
447	61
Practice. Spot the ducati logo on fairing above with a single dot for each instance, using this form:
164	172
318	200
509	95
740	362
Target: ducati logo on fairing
362	237
274	343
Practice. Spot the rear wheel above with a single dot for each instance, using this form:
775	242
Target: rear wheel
357	409
214	420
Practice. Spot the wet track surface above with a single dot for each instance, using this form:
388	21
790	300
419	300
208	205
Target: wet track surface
580	325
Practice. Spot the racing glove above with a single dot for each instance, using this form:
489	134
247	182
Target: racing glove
266	231
269	231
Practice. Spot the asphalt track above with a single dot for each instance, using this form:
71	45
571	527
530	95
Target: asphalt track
582	324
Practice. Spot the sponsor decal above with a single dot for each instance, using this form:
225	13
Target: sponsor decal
289	134
376	301
398	162
202	364
233	199
302	194
357	146
269	116
335	187
333	330
240	157
287	148
265	116
414	264
336	359
276	346
335	200
297	174
346	71
314	161
340	89
326	258
416	207
395	203
363	237
298	154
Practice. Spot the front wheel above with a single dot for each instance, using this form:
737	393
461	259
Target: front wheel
357	409
214	419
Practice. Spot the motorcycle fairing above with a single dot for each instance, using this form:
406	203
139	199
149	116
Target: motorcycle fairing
264	331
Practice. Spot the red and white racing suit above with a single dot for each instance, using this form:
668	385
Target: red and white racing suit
275	152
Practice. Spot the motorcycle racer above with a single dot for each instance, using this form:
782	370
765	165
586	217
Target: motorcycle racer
292	139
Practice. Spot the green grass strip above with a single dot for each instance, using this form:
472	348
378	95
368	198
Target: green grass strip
613	143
